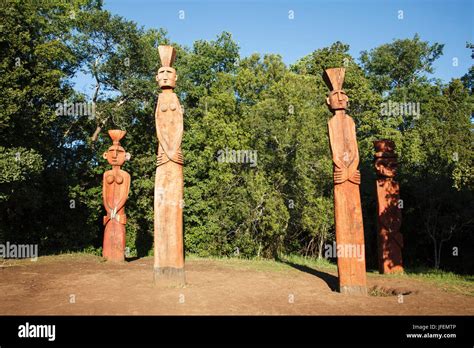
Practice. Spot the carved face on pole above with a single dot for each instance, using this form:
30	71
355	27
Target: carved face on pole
167	77
116	155
337	100
334	78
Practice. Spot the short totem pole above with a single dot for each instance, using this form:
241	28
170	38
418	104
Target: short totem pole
389	238
116	186
168	205
347	205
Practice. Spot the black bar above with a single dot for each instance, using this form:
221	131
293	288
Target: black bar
287	330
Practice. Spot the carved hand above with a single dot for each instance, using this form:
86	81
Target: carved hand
340	175
355	178
159	159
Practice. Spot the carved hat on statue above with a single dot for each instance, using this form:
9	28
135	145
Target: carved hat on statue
334	78
116	154
116	135
166	76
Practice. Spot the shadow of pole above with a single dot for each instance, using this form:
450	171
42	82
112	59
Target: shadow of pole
331	281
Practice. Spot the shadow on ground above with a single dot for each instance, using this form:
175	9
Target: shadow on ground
330	280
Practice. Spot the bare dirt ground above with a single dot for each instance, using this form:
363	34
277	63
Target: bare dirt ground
78	284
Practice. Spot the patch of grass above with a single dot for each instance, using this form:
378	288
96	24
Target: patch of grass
312	262
283	264
379	292
382	291
49	258
257	264
447	281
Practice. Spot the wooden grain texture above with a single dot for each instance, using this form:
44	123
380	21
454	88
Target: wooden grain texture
389	215
116	187
347	205
169	180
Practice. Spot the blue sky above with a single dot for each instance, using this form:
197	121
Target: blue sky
264	26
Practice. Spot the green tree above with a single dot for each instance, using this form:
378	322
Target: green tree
37	60
436	182
400	63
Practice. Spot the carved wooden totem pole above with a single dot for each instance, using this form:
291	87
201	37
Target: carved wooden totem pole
116	186
347	206
168	206
389	238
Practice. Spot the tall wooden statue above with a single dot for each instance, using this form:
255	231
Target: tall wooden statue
347	206
389	238
116	186
168	206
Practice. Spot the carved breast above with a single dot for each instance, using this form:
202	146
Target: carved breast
110	179
171	106
343	139
169	121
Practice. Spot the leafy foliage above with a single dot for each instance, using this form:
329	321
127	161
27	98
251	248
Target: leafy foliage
281	201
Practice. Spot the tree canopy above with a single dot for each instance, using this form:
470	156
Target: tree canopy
51	163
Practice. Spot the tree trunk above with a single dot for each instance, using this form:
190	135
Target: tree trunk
436	264
320	248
